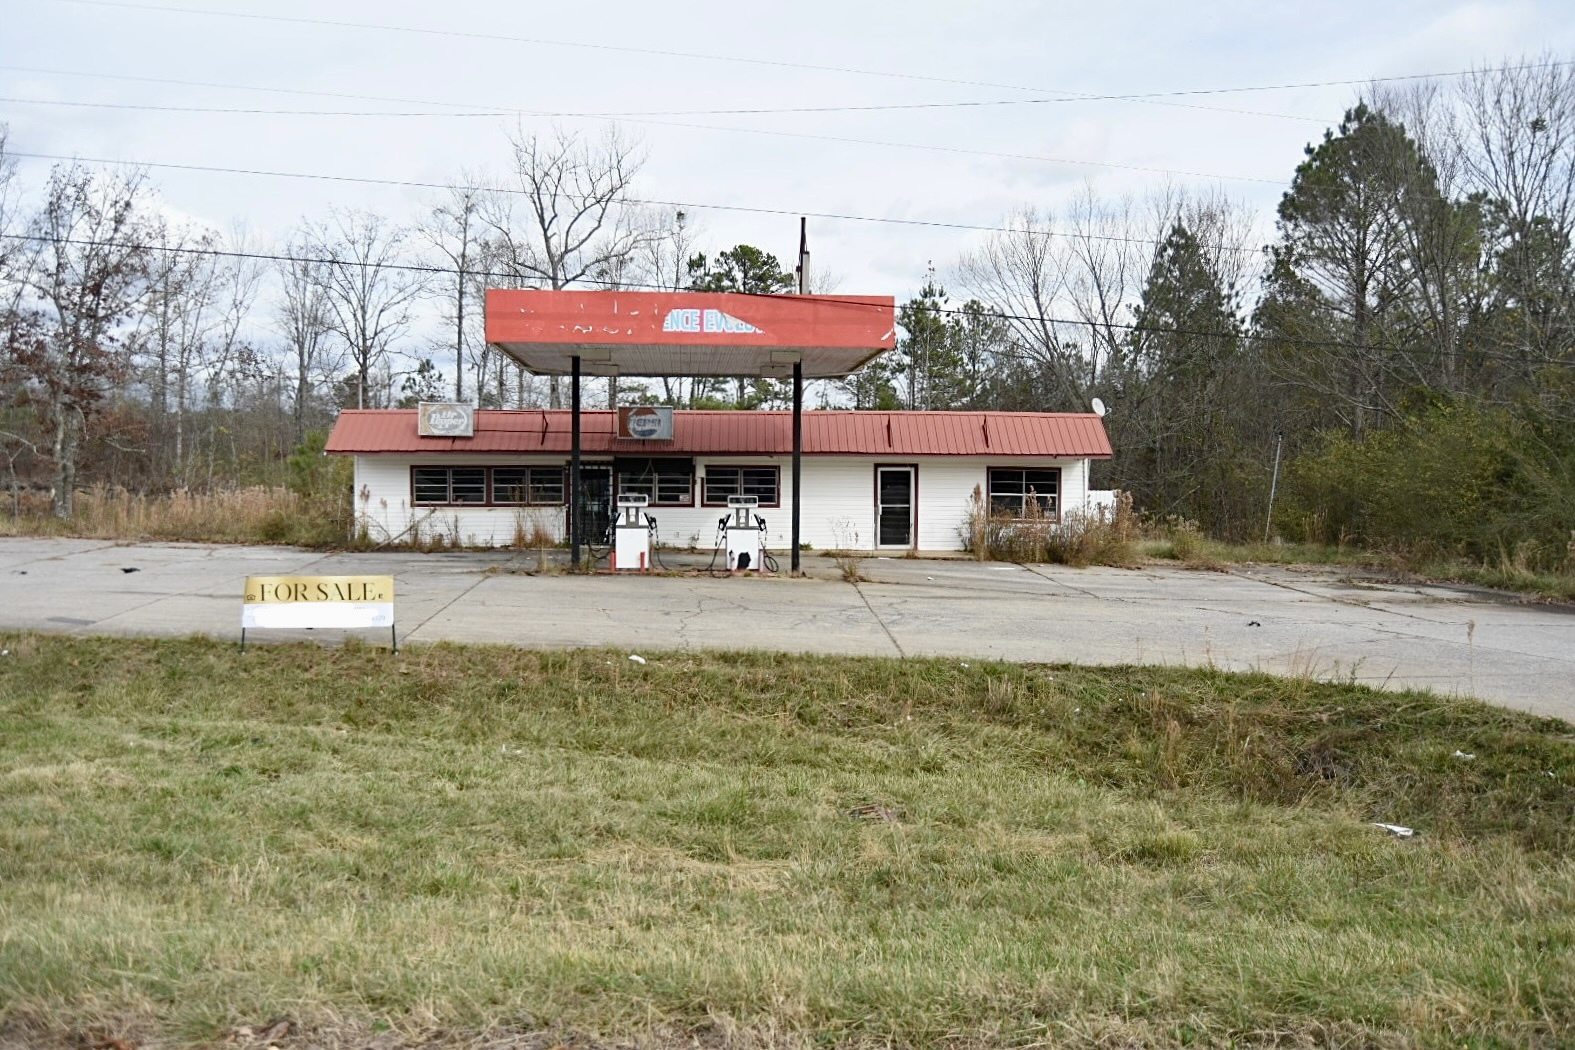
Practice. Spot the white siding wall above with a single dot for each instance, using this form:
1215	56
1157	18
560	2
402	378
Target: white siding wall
838	511
382	486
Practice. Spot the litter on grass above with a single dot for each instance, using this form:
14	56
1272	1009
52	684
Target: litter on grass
637	658
1396	830
1461	754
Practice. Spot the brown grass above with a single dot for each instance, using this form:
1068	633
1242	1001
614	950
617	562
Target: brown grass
251	514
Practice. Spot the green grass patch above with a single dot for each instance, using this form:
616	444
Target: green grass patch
756	849
1506	576
1194	548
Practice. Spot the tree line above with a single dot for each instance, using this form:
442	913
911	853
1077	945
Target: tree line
1405	339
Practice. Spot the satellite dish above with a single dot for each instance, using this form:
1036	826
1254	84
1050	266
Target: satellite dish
1099	408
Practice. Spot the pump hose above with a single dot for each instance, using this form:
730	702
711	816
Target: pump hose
599	554
656	549
721	545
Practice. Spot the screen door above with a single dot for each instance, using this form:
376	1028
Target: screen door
894	506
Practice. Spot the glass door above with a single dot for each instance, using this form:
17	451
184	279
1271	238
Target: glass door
894	507
596	503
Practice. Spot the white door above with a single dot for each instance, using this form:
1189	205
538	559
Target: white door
895	507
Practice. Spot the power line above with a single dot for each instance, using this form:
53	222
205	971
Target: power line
95	75
651	202
773	63
626	114
259	112
632	115
1134	327
786	134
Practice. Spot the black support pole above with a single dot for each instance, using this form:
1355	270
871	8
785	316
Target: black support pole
798	451
575	528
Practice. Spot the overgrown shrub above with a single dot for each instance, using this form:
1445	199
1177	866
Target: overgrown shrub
1453	481
1097	537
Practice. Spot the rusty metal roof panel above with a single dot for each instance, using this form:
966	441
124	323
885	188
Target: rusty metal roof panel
524	432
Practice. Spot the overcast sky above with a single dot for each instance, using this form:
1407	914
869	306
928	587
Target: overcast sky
964	165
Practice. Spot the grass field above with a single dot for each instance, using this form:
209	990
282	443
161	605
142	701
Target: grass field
491	847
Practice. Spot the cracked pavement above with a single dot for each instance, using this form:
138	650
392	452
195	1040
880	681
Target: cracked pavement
1321	622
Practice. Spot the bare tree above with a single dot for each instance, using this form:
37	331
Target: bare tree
304	318
229	359
662	262
1519	149
563	215
84	278
454	231
1108	254
369	292
1024	272
178	316
9	245
1441	232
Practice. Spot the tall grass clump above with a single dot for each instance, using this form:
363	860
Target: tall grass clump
1075	537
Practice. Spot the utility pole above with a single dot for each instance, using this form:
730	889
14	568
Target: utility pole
1274	483
798	396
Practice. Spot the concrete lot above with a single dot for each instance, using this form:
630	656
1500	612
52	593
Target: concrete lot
1325	623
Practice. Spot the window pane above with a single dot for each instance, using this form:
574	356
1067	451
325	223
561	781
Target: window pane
546	485
468	484
720	483
509	485
896	487
1044	484
1006	482
673	488
429	485
895	527
639	484
1012	505
760	482
1043	481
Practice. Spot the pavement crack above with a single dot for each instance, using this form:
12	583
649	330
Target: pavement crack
891	637
435	613
1353	602
1068	586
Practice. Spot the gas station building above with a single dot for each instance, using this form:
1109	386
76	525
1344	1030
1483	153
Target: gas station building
854	480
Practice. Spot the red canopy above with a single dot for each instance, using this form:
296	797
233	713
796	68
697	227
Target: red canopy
689	333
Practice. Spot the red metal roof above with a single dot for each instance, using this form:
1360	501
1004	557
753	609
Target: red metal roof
529	431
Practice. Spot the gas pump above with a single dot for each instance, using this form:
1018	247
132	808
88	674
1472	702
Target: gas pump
744	534
632	533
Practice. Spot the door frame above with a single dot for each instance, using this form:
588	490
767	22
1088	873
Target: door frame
913	507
